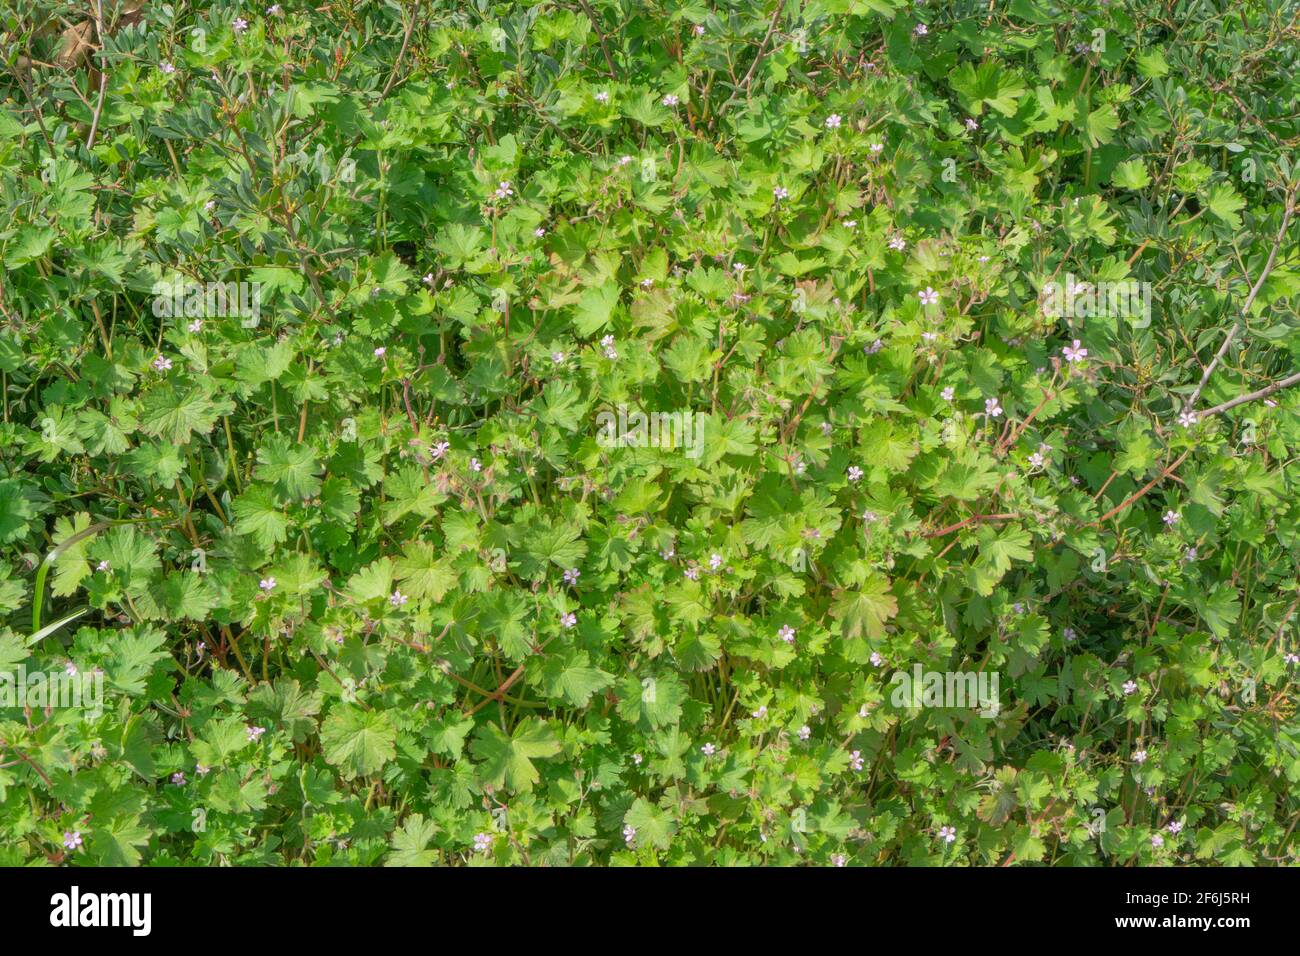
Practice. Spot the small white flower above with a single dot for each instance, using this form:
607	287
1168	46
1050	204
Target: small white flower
482	841
699	29
557	358
166	68
760	713
838	859
671	100
921	30
1171	518
1187	419
195	327
397	599
877	147
805	732
162	364
539	232
947	393
267	584
254	733
876	661
103	566
833	121
855	760
239	25
1140	756
629	834
475	465
854	472
928	296
381	352
1129	687
898	242
992	408
971	124
504	190
708	750
786	633
569	620
947	834
780	192
1073	353
602	96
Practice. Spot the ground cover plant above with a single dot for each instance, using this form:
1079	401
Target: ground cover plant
843	432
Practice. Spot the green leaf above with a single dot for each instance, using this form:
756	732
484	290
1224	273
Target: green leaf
509	759
359	742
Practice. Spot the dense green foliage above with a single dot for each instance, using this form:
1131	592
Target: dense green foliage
319	555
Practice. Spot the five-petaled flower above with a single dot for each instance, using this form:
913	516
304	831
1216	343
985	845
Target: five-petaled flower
928	296
786	633
1075	352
